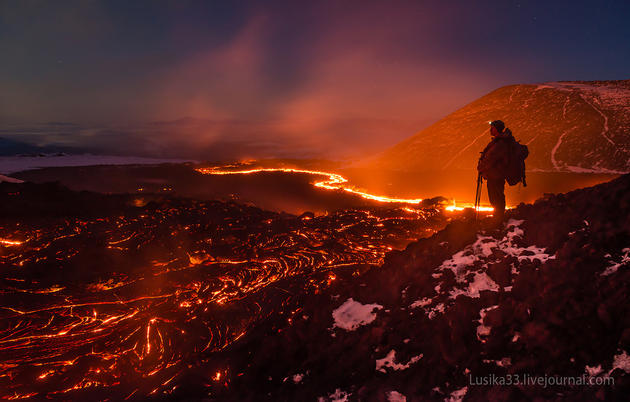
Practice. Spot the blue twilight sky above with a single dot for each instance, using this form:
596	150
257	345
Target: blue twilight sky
346	75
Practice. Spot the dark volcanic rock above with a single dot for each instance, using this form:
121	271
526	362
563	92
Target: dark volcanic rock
547	297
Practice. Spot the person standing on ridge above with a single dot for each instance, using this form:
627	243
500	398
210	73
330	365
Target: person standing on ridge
494	164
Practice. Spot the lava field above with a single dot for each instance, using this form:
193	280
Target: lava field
123	296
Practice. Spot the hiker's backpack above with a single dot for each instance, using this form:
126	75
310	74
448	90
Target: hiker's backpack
516	168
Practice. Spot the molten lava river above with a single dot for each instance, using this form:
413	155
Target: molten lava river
126	306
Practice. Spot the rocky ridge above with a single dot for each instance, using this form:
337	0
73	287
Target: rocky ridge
546	296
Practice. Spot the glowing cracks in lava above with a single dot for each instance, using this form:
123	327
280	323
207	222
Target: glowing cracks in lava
119	326
7	242
148	348
334	182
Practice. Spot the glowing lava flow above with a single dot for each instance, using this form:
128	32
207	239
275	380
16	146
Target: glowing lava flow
7	242
338	182
463	206
334	182
190	279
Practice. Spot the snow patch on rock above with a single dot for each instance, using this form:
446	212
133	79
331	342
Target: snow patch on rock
480	282
395	396
337	396
593	371
483	330
457	395
425	301
352	314
476	256
621	361
389	361
430	311
625	259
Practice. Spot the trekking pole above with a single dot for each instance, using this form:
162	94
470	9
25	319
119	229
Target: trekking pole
478	195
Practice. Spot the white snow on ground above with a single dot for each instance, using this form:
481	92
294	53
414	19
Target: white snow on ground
480	282
609	95
470	265
395	396
564	107
482	330
10	179
388	361
621	361
421	302
12	164
610	101
457	396
593	371
579	169
431	311
296	378
337	396
605	123
351	314
554	162
625	259
485	246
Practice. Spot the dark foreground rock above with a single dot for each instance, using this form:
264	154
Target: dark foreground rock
462	315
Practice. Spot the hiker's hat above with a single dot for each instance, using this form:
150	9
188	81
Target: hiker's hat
498	124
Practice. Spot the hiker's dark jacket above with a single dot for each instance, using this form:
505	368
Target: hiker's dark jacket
495	158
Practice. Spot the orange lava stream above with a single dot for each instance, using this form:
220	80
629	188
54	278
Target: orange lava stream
463	206
7	242
334	182
338	182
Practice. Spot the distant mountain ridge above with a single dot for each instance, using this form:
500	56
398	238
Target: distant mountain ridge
573	126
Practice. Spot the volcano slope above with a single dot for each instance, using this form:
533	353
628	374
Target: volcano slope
546	298
569	126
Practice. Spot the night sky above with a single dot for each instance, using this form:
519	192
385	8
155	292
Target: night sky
312	77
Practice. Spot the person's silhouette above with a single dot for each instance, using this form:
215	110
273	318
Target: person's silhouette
493	165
